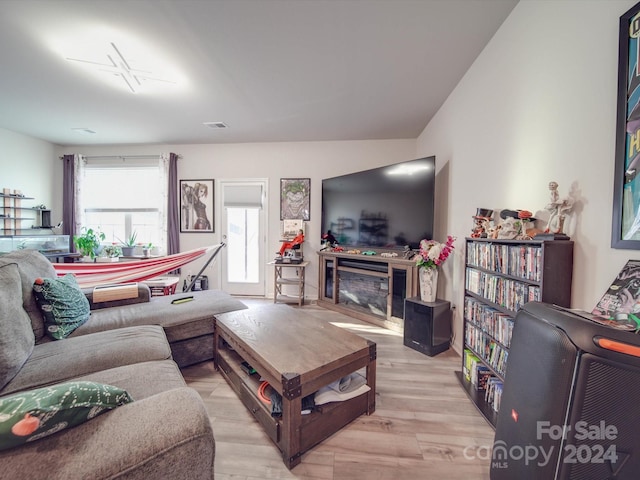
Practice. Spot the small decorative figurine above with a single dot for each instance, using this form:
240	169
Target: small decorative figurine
328	241
481	223
516	225
297	240
558	209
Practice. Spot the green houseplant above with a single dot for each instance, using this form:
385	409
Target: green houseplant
129	244
112	251
146	249
88	242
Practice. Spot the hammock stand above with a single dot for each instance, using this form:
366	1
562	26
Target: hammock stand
218	247
93	274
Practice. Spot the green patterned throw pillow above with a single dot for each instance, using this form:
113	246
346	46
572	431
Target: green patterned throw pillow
63	305
29	416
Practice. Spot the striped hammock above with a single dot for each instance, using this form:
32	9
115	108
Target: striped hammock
93	274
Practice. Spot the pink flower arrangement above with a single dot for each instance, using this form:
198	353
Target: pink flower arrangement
433	253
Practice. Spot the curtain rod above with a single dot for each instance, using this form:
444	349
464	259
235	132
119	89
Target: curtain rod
120	157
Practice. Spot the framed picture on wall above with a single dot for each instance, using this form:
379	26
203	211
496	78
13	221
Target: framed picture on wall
295	198
196	206
626	189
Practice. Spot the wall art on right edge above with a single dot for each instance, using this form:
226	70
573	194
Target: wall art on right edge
626	197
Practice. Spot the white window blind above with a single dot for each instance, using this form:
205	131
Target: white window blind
124	197
243	196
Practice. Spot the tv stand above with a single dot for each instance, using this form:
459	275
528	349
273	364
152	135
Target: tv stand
370	288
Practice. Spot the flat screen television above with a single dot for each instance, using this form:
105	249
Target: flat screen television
387	207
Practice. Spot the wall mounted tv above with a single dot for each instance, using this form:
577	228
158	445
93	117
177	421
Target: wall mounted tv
386	207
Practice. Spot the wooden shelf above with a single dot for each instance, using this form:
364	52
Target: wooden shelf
17	197
9	206
280	280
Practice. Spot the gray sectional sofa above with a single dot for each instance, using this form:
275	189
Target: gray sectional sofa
164	432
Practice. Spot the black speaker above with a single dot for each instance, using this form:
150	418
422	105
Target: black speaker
427	325
570	406
202	283
46	218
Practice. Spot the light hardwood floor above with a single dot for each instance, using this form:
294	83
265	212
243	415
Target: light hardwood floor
424	426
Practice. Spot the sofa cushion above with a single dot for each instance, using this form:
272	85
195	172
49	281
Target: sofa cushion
35	414
59	361
64	306
16	335
180	321
31	264
141	380
165	436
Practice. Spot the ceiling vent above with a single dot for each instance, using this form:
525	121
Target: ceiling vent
84	131
216	125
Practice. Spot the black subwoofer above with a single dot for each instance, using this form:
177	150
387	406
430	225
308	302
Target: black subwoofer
427	325
570	406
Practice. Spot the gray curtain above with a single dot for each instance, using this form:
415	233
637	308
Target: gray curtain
68	198
173	212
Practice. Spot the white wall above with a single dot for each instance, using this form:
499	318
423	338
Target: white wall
272	161
538	105
31	165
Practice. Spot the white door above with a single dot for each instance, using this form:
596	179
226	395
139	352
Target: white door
243	231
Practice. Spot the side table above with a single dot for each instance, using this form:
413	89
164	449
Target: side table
281	278
160	286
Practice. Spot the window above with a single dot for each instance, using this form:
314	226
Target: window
123	199
243	227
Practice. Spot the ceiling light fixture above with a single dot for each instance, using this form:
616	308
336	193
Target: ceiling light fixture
122	68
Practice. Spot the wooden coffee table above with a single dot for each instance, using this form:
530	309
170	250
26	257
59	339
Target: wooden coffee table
297	355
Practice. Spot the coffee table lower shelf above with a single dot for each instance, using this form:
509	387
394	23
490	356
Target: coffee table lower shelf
292	441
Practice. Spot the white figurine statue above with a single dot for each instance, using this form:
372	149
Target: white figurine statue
558	209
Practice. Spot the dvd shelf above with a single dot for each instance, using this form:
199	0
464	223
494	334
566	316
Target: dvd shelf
502	276
512	294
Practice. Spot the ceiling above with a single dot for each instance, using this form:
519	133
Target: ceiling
271	70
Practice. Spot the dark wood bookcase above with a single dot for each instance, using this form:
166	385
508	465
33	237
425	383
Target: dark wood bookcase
501	276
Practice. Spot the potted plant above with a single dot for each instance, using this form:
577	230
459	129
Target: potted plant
110	253
129	245
88	242
146	249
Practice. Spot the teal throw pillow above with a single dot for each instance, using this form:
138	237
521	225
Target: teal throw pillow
29	416
63	305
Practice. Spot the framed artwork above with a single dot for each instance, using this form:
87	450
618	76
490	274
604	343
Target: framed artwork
196	206
295	198
290	228
626	189
618	305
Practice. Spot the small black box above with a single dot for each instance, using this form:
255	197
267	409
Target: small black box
427	325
